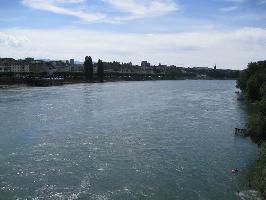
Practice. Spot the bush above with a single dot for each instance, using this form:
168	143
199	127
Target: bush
257	127
263	90
257	123
257	174
255	86
252	82
242	81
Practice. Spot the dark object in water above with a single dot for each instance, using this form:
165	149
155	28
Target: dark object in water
240	131
240	96
235	171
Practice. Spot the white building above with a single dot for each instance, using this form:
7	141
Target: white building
12	65
61	66
20	68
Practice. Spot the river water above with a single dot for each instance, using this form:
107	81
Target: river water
153	140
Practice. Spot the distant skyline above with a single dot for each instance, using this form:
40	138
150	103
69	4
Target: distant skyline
228	33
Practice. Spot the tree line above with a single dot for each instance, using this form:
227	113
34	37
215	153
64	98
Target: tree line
252	82
88	69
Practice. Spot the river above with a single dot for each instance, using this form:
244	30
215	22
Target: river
152	140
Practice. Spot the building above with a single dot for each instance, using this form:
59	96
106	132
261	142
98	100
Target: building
160	68
39	66
15	66
72	62
61	66
145	65
77	68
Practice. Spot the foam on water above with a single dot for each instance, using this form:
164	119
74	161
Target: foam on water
248	195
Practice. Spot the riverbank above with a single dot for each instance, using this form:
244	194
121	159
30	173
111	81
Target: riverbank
252	83
256	131
45	82
257	173
59	78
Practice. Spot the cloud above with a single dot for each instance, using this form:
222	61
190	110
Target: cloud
235	1
262	2
247	16
71	1
12	19
228	9
7	40
229	49
51	6
129	9
139	9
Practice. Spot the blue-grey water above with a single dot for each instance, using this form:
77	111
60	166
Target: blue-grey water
154	140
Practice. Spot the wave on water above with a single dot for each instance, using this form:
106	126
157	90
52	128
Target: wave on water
248	195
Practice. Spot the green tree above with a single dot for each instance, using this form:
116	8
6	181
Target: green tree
242	81
88	68
100	70
252	82
263	90
254	88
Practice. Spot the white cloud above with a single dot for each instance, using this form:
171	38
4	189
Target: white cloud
50	5
235	1
133	9
229	9
142	8
9	41
70	1
12	19
247	16
229	49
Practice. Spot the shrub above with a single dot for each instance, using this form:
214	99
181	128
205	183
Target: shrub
257	174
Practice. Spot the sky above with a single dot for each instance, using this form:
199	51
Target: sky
185	33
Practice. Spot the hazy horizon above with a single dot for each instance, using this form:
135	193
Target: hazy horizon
228	33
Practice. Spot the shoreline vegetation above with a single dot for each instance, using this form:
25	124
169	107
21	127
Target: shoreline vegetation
90	72
252	83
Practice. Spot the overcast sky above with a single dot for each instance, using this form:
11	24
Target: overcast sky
229	33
